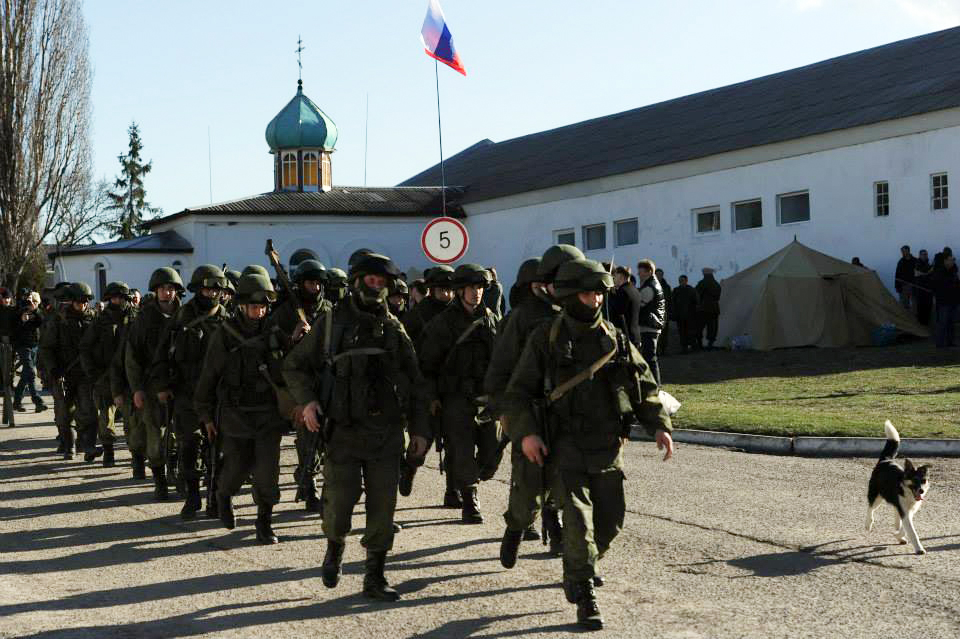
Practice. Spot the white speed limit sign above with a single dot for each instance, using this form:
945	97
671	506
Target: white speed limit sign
444	240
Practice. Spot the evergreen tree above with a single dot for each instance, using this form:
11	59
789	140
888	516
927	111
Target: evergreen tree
129	197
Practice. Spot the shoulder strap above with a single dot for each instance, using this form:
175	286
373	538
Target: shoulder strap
243	341
583	375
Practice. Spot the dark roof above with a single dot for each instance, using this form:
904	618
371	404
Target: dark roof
897	80
340	200
165	242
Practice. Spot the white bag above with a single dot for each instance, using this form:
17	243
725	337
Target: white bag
670	403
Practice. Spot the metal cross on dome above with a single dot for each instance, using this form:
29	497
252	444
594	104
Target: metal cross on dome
300	49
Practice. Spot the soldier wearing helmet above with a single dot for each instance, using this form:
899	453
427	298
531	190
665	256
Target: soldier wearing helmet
176	368
397	300
240	381
365	366
454	350
335	286
308	278
440	292
532	303
98	346
145	437
60	353
596	384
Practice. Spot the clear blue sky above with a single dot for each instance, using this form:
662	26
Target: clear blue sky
179	68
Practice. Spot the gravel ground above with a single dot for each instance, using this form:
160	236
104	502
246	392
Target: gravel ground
716	544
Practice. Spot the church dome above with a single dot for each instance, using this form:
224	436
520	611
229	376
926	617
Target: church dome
301	125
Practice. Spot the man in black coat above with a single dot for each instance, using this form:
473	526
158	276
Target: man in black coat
684	312
903	279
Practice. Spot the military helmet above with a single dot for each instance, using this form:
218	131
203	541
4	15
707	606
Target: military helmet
165	275
471	274
310	270
233	277
583	275
527	273
336	278
207	276
399	287
441	276
116	289
255	268
357	255
78	292
373	264
302	255
554	257
254	288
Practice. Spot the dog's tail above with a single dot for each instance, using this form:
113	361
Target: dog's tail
893	441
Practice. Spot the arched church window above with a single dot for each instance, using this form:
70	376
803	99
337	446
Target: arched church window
289	171
311	169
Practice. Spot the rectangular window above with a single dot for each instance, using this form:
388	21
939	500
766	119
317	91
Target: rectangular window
706	220
626	232
793	207
566	236
594	237
881	199
747	215
938	191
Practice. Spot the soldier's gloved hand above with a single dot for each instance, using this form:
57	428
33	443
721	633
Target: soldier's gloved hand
418	447
664	440
211	430
139	399
435	407
534	449
118	401
165	396
301	329
311	416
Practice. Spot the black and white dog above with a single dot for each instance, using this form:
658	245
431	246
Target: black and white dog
903	488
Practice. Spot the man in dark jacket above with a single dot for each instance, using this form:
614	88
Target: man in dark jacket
26	337
946	291
922	291
904	276
664	341
708	310
651	315
685	313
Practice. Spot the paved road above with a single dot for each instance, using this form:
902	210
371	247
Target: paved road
716	544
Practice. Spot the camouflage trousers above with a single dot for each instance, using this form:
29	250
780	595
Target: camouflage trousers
343	482
593	513
78	405
469	446
106	418
526	493
145	436
258	458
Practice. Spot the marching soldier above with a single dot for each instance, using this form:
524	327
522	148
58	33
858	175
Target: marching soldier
309	278
531	304
143	335
60	352
397	300
97	349
439	281
176	368
240	381
455	349
365	367
596	384
335	288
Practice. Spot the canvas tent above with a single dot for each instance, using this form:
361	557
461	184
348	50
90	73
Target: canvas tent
800	297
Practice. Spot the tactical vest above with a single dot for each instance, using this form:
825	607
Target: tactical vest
468	359
250	362
369	385
654	313
70	328
188	345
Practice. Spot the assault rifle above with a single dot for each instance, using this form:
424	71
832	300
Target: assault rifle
319	439
284	280
6	369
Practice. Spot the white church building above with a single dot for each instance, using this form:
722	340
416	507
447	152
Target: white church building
852	156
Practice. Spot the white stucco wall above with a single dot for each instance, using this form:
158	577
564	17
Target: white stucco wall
132	268
839	179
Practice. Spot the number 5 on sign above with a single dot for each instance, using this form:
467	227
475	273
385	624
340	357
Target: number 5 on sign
444	240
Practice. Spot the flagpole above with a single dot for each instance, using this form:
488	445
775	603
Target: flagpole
443	176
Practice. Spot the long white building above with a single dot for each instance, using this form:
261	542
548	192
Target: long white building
852	156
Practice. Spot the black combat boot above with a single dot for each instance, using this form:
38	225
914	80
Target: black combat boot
452	499
312	503
332	562
160	492
588	610
39	406
90	449
551	523
471	507
510	547
108	458
192	502
264	525
598	581
531	533
225	508
67	440
212	511
407	473
139	465
375	583
18	406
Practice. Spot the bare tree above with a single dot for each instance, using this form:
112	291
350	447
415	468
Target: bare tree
45	166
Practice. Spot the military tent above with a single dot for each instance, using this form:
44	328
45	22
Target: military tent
801	297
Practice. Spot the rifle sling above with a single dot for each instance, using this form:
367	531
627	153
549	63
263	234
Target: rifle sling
557	393
466	333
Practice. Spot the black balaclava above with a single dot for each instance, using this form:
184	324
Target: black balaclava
580	311
205	303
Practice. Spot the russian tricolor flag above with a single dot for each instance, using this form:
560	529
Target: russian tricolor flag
437	39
